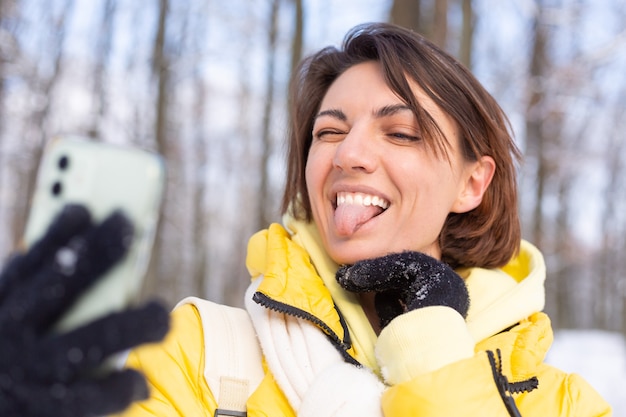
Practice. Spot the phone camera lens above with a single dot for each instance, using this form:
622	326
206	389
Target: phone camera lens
57	188
64	162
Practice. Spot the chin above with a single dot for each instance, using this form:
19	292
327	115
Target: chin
348	256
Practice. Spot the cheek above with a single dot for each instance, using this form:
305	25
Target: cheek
309	176
315	171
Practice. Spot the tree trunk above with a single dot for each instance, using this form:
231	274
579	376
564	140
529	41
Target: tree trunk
103	49
564	274
610	266
161	72
467	34
200	227
534	134
407	13
265	198
439	33
536	142
298	35
155	283
39	118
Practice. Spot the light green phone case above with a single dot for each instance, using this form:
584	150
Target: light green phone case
103	177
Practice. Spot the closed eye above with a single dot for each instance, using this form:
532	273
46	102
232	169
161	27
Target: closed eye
329	135
404	137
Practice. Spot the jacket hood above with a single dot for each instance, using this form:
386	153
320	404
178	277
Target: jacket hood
501	297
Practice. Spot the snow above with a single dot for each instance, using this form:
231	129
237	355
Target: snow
599	357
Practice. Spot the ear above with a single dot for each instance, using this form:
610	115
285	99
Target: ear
477	178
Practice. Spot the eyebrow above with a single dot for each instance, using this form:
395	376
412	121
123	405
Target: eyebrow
379	113
335	113
391	110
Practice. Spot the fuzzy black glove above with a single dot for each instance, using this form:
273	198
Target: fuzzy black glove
405	281
44	373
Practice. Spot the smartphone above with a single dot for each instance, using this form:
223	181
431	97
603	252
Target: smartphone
103	177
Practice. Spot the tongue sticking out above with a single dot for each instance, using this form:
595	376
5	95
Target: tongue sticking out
349	217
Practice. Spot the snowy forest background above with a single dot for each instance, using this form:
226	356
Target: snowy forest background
203	83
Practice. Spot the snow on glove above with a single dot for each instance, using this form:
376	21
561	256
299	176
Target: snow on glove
405	281
44	373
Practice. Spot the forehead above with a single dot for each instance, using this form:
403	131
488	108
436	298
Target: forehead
364	84
363	89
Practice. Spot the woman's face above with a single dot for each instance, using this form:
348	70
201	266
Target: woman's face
374	185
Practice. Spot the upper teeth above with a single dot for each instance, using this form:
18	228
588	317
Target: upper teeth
361	199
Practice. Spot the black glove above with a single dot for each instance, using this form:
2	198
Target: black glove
405	281
44	373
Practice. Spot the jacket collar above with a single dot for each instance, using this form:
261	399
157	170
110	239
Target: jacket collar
501	297
534	336
291	283
298	272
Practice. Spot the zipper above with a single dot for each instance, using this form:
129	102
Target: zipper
341	345
506	388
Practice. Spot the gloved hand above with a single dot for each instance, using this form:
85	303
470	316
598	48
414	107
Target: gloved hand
43	373
405	281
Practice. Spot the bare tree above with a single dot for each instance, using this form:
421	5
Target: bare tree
103	50
200	227
534	120
265	198
8	52
407	13
439	31
158	282
161	74
428	18
7	42
297	42
44	82
467	33
609	295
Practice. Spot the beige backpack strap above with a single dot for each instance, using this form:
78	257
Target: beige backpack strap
232	398
232	356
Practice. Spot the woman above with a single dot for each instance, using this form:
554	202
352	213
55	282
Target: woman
401	166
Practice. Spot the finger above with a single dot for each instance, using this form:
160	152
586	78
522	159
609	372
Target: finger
73	268
392	271
86	397
89	256
72	220
111	394
85	348
375	274
84	260
345	278
20	276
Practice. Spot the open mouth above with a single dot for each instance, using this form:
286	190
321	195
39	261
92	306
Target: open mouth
361	199
352	210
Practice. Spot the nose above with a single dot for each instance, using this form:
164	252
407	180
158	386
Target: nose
356	152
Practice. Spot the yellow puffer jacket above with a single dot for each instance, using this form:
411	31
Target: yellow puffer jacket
433	362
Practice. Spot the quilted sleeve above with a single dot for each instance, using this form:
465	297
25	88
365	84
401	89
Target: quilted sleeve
433	372
174	371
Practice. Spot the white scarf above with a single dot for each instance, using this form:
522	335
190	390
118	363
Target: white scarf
309	369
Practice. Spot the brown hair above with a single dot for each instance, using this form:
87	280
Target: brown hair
487	236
